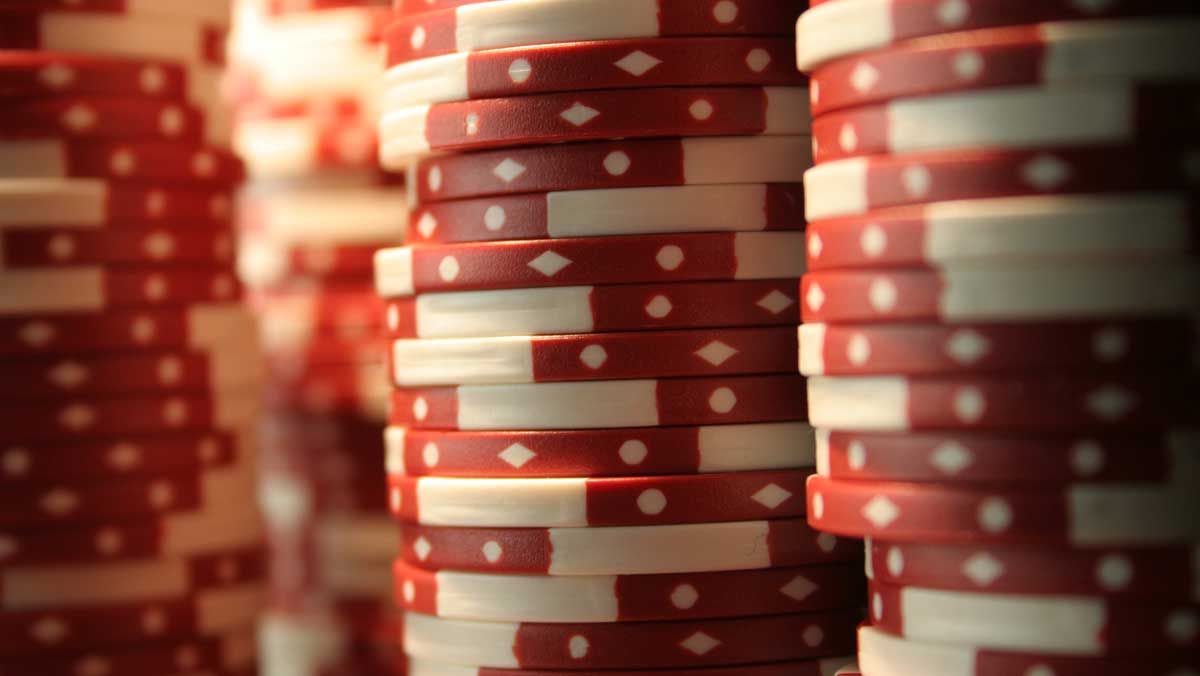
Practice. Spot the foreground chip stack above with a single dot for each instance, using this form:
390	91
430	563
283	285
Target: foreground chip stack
597	443
303	78
1000	336
129	537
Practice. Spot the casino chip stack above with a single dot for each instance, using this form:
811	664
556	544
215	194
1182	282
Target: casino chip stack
597	440
129	537
304	78
1000	339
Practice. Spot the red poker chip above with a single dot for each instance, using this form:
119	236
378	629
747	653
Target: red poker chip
602	404
632	645
1149	457
224	655
38	74
830	29
1147	116
203	327
167	162
1145	573
613	164
32	247
610	501
1075	514
108	34
613	113
605	356
595	309
644	451
102	119
111	206
406	271
1065	625
626	598
1047	53
593	64
628	211
934	349
861	185
797	668
85	289
263	263
637	550
465	29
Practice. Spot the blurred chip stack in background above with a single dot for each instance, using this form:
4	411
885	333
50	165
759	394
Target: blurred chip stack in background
303	79
129	538
597	442
1000	332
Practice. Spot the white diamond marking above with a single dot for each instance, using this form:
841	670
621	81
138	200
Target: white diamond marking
517	455
549	263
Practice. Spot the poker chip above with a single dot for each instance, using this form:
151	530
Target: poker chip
1047	53
480	26
128	161
1083	625
1075	514
1167	457
881	653
1023	403
101	118
615	113
228	654
592	64
135	35
827	31
89	203
294	146
81	289
617	211
33	247
631	452
999	292
1152	573
211	12
624	598
628	550
406	271
594	309
1017	117
418	667
610	165
609	356
620	645
34	74
367	215
602	404
613	501
266	263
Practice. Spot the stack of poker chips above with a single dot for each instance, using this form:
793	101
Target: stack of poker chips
129	537
597	444
316	207
1000	336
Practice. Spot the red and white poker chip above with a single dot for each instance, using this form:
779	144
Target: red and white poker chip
275	148
629	550
604	356
1150	573
1032	54
625	598
265	263
110	206
83	289
1063	625
477	26
834	29
215	12
1076	514
101	119
610	501
607	165
1003	292
617	645
617	211
75	506
135	35
405	133
1001	347
419	667
639	451
154	161
409	270
37	74
602	404
882	654
592	64
32	247
366	213
227	654
594	309
1063	115
1167	458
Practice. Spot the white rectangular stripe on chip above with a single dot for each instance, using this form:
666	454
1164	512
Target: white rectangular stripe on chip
754	159
822	441
418	667
225	609
730	448
883	655
344	71
516	22
634	550
845	28
278	146
194	532
212	11
811	338
461	641
533	598
564	309
837	188
23	158
688	208
877	403
360	537
73	585
787	111
34	291
453	502
1150	515
53	202
1132	50
129	35
300	645
610	403
394	443
433	80
394	272
504	359
365	215
868	566
769	255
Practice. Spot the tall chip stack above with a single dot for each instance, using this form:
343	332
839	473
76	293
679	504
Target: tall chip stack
1000	336
597	443
129	536
304	82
